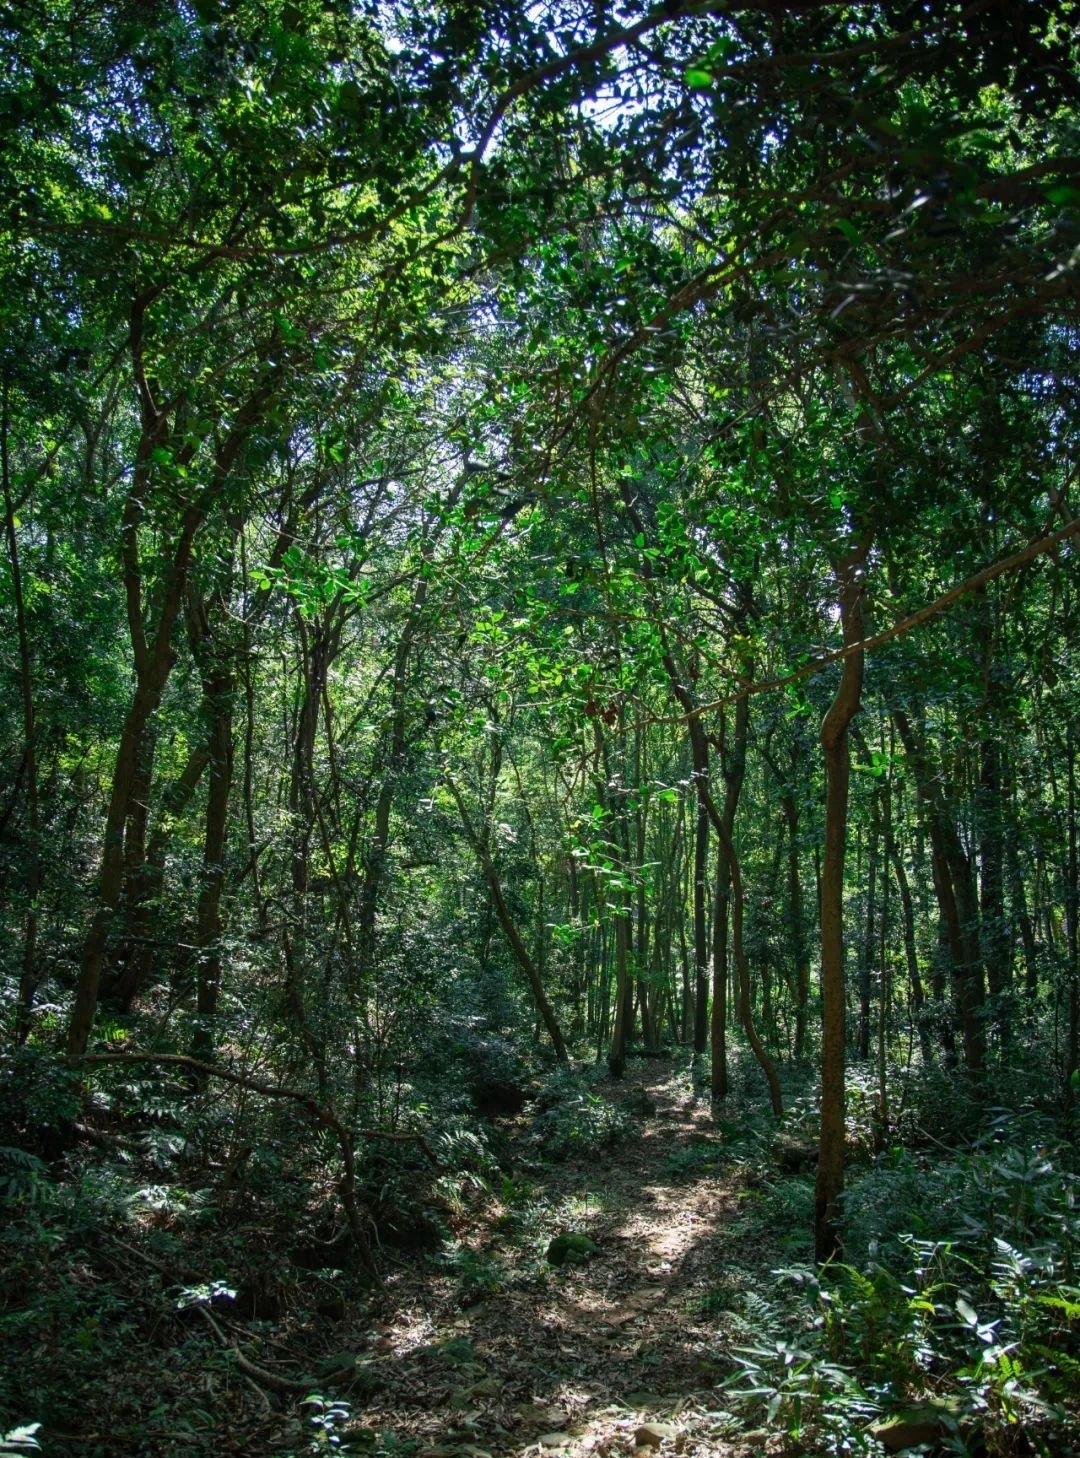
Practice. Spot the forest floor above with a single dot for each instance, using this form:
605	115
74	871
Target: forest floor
175	1295
621	1352
176	1318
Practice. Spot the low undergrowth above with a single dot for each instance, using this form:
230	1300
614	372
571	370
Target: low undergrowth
957	1311
174	1234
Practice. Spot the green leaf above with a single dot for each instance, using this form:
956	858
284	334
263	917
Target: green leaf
1063	195
698	79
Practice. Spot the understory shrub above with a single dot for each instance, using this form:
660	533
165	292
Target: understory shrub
962	1291
571	1120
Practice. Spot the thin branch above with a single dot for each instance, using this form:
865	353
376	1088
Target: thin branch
1030	553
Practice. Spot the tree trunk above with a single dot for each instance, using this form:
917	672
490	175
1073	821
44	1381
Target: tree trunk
733	767
911	955
375	862
746	1007
954	885
834	744
718	1026
218	691
993	924
624	998
1023	920
800	948
153	652
867	953
701	903
111	876
28	978
133	975
1072	926
506	921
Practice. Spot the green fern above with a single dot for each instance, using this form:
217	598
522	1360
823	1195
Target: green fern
20	1174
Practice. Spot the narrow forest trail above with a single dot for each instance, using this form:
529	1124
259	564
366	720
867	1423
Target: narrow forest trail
580	1359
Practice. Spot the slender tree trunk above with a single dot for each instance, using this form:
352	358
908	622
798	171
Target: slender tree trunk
866	958
955	889
718	1022
624	997
133	975
375	862
701	930
1023	920
989	823
835	749
506	921
742	967
911	955
994	926
746	1005
138	819
649	1035
28	977
252	856
1072	925
881	1121
799	942
686	1020
218	691
733	767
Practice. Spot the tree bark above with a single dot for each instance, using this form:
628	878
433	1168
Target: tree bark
993	924
718	1070
1072	925
799	941
701	903
835	749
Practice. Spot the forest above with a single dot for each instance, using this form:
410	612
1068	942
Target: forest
539	872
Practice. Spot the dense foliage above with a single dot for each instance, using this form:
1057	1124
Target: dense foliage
533	535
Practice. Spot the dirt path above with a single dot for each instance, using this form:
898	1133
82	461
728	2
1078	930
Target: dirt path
575	1360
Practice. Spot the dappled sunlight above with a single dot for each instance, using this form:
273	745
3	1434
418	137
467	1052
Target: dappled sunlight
583	1358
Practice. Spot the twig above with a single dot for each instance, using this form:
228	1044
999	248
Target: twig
274	1380
111	1143
404	1137
321	1114
139	1254
1038	548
